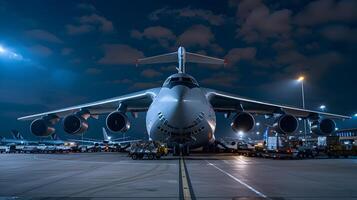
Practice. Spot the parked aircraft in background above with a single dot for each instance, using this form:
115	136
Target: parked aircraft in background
17	139
107	140
180	112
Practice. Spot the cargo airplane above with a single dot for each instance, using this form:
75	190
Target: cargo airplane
180	112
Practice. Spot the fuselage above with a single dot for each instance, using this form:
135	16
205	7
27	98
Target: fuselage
181	113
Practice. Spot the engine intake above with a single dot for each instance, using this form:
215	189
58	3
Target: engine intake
286	124
117	122
41	127
243	121
323	127
74	124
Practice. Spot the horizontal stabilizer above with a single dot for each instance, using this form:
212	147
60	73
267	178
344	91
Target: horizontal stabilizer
197	58
181	57
165	58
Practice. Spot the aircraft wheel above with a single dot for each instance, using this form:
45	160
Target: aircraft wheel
176	150
185	150
151	157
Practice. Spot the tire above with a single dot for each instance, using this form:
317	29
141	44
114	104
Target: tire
151	157
134	156
176	151
185	150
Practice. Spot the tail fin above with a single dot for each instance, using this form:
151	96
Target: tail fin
181	56
54	136
105	135
16	135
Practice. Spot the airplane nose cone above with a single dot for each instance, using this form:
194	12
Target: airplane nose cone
180	111
179	93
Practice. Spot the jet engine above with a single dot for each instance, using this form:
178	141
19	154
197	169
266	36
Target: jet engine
41	127
286	124
243	121
323	127
74	124
117	121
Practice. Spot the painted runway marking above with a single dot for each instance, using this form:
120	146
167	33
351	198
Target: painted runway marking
239	181
185	182
35	157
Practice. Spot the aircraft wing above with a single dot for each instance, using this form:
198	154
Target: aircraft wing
135	102
225	102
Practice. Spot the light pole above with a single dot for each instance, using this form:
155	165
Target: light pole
301	80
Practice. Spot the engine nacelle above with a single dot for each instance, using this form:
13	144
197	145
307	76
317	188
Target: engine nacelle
243	121
117	122
74	124
41	127
286	124
323	127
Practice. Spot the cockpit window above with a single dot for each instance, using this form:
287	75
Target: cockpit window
186	81
175	79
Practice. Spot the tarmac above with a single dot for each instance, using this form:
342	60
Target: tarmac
114	175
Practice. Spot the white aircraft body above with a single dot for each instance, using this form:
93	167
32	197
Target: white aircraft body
180	112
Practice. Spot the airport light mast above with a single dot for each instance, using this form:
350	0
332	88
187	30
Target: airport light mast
301	80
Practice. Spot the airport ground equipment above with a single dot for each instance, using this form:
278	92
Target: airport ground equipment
4	149
30	149
334	148
150	150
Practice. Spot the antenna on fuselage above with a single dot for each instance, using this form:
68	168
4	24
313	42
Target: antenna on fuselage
181	56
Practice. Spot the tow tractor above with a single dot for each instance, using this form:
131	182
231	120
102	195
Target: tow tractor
148	149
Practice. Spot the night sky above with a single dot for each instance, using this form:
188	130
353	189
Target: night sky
64	53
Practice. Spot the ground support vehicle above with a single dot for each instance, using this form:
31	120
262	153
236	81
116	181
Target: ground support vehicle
150	150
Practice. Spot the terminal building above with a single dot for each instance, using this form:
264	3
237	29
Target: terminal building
349	136
352	132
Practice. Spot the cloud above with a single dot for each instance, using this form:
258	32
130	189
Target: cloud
93	71
86	7
197	35
260	23
41	50
120	54
104	24
89	23
170	68
221	79
161	34
340	33
206	15
121	81
237	54
293	62
245	7
79	29
66	51
150	73
43	35
326	11
145	85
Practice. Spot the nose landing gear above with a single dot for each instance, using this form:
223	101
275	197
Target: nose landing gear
181	149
